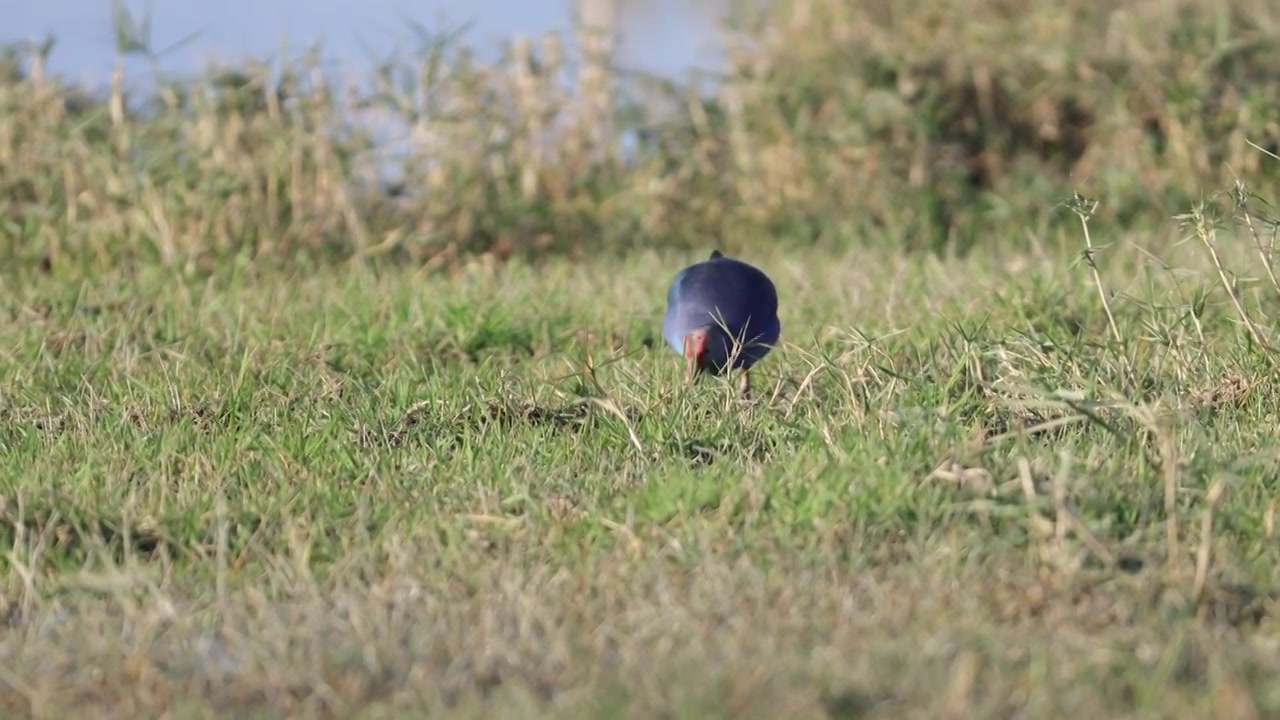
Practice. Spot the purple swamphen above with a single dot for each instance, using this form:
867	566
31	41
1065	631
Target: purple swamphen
722	313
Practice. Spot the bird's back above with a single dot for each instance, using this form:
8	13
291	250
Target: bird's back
737	290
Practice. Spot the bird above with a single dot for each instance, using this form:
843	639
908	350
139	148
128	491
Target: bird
722	314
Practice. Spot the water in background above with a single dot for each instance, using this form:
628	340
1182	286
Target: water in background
662	37
667	37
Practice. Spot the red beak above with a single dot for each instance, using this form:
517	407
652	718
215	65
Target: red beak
695	349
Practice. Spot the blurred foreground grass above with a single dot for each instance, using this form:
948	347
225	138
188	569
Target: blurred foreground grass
275	441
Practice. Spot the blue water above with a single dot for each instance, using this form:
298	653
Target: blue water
664	37
667	37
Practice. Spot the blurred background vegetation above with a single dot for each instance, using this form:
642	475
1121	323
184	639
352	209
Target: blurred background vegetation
929	125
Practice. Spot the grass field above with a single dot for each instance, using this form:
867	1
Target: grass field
273	447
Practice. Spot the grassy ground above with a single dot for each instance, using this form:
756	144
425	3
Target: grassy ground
372	494
276	443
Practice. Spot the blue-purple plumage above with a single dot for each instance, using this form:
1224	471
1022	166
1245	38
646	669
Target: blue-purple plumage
727	299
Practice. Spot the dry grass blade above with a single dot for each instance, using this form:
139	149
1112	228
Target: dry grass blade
1204	553
612	408
1205	229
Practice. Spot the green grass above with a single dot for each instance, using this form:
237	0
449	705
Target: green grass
276	441
375	494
